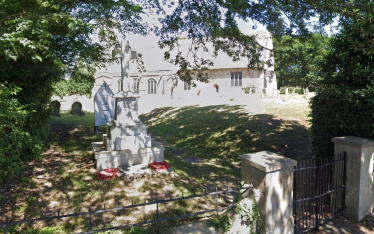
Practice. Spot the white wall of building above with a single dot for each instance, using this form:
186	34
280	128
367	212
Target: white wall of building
171	92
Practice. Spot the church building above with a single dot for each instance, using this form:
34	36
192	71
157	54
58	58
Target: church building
230	82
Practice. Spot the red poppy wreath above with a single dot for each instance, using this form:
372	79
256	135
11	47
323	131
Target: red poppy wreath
159	165
108	174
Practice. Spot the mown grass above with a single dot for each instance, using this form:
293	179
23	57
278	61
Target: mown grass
215	136
203	145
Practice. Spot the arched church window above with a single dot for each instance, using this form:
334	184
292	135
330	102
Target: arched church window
187	86
136	85
216	87
151	86
119	85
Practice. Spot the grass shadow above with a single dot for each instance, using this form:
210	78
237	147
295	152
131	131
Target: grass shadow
217	135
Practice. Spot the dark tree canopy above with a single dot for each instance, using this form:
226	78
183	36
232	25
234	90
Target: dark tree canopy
345	104
298	60
41	42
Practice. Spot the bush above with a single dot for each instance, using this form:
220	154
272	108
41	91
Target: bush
16	143
345	104
221	222
341	112
299	90
290	90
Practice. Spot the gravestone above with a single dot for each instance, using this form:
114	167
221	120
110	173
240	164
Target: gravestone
104	105
306	91
286	92
76	109
56	105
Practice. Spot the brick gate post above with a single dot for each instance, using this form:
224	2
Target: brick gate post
359	185
272	174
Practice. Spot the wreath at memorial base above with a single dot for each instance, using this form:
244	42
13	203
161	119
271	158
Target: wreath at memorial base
108	174
159	165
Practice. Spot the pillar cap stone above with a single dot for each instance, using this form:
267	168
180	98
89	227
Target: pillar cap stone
354	141
268	161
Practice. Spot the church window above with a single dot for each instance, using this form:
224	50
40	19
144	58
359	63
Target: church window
236	79
151	86
136	85
216	87
187	86
119	85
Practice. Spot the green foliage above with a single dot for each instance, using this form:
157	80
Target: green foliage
47	230
81	81
16	143
221	222
345	104
251	89
137	230
41	42
297	90
250	215
297	60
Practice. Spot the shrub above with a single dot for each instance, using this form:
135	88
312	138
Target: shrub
341	112
16	143
221	222
345	104
251	89
298	90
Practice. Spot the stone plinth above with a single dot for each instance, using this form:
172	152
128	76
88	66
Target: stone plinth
359	194
123	137
272	175
112	159
126	141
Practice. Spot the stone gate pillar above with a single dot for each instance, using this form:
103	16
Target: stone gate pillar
359	185
272	174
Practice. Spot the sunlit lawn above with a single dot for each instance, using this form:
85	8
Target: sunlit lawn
203	145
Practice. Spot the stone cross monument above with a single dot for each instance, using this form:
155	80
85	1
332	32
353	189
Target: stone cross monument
126	141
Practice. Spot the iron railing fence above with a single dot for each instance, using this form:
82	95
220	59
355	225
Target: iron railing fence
157	202
318	191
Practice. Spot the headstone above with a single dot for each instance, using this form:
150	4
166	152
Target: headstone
286	92
306	91
278	94
104	105
76	109
56	108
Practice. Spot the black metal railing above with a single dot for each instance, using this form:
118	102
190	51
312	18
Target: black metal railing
318	191
157	202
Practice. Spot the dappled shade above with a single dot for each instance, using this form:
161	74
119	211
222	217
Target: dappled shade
207	141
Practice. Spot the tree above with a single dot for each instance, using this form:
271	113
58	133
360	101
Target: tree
81	81
41	42
16	144
345	105
297	60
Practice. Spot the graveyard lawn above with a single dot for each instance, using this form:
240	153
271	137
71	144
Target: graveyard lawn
203	145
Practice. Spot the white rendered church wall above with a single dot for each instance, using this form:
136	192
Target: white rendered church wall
67	101
202	94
